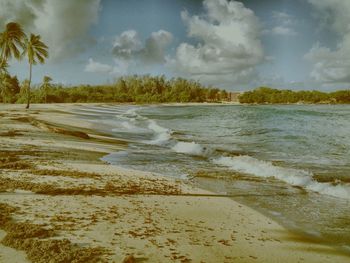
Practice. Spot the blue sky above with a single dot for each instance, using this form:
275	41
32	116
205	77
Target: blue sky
237	45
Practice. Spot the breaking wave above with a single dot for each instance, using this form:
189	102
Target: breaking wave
249	165
162	135
191	148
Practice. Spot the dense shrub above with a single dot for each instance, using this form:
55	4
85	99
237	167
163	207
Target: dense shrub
268	95
139	89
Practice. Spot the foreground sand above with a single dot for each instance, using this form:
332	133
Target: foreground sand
60	203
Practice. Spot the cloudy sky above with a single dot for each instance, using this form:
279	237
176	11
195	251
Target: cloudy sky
237	45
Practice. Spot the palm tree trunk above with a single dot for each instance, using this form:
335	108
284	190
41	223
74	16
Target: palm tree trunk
2	61
28	88
45	94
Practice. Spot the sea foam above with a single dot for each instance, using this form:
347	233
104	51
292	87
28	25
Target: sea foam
162	134
249	165
191	148
127	125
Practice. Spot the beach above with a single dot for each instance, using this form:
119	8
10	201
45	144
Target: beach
61	203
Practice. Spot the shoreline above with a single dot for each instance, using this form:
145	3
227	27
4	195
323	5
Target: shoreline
156	219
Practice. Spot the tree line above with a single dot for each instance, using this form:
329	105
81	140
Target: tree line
266	95
128	89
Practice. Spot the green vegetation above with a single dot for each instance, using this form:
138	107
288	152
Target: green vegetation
9	87
14	43
264	95
138	89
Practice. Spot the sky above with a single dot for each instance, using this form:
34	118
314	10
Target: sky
236	45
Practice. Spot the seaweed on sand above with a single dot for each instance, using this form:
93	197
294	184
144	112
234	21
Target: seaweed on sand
11	160
65	173
39	245
10	133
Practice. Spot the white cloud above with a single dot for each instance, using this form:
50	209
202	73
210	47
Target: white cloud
229	46
333	13
283	25
128	50
284	18
283	31
97	67
332	66
62	24
128	46
118	69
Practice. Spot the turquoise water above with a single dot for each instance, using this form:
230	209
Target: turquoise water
289	162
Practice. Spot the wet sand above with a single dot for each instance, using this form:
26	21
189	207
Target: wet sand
59	202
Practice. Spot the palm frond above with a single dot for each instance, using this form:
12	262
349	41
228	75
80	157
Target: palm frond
11	41
36	50
4	66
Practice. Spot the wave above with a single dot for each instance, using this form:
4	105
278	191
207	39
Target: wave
127	125
295	177
131	112
163	135
133	115
191	148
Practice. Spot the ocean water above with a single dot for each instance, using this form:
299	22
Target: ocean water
291	163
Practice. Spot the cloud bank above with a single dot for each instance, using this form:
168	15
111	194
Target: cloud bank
128	46
228	44
332	66
117	69
63	24
129	51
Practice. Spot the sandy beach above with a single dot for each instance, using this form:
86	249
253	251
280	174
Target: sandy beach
60	203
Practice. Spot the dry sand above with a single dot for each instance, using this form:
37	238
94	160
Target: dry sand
60	203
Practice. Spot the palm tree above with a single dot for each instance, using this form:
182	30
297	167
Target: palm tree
11	40
36	51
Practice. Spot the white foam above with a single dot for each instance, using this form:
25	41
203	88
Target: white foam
163	135
132	112
127	125
191	148
250	165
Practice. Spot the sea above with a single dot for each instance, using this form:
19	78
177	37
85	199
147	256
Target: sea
289	162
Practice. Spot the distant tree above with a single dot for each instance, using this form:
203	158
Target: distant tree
45	87
341	96
224	95
9	88
268	95
212	94
22	96
36	51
